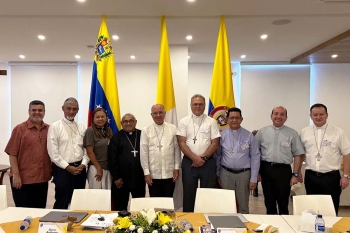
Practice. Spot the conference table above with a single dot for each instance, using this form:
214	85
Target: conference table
285	223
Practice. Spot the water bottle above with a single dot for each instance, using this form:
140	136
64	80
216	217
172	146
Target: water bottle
25	224
319	224
186	225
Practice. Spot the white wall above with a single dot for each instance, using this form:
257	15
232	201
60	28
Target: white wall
260	88
265	87
5	98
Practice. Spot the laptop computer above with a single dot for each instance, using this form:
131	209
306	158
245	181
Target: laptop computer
241	217
55	216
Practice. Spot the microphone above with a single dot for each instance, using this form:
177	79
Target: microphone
101	218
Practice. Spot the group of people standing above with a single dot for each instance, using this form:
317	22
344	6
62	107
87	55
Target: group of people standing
128	160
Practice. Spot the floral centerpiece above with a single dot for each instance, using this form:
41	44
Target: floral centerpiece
147	221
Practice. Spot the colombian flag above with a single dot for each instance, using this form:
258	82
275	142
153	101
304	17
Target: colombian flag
165	89
221	91
104	88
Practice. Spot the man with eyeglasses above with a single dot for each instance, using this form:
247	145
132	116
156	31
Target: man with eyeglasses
29	160
238	160
279	146
160	154
124	163
198	137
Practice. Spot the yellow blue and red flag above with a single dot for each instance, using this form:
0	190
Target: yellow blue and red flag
221	91
104	88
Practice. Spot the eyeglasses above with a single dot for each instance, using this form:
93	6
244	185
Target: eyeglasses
129	121
235	118
197	105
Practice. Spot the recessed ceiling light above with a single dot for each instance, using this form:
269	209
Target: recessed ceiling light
243	56
77	56
115	37
132	57
263	36
188	57
334	55
81	0
22	56
191	0
41	37
189	37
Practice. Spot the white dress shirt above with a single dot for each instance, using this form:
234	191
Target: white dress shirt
328	140
65	143
202	127
160	162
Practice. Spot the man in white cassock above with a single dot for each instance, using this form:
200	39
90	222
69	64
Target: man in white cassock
160	154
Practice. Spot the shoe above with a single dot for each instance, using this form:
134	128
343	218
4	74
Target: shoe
255	193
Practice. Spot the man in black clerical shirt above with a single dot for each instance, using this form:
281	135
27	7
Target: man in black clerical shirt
124	164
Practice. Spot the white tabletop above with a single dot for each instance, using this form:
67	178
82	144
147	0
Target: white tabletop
294	221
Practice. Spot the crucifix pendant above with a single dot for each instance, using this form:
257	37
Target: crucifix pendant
318	157
160	147
194	140
134	151
232	151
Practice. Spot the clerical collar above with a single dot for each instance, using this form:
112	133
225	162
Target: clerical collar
68	121
130	133
159	126
321	127
195	116
278	127
235	130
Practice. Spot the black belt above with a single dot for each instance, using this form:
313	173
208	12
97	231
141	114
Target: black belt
235	171
75	164
275	164
323	173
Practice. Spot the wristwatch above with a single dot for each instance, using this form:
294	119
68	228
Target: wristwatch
205	158
295	174
346	176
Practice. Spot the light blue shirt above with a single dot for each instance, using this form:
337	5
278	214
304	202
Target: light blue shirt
238	149
279	145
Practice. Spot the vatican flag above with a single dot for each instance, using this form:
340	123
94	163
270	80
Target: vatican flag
221	91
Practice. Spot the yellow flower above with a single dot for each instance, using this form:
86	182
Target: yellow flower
123	223
163	219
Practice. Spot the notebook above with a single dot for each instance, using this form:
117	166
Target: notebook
55	216
226	222
241	217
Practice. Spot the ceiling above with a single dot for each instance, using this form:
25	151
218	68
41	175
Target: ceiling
69	26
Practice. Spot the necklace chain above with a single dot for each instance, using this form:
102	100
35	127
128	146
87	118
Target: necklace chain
319	156
71	127
159	140
194	129
133	147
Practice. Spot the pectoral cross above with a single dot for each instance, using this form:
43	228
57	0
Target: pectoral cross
232	151
194	140
134	151
318	157
160	147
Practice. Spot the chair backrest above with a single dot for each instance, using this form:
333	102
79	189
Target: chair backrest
137	204
91	199
215	201
319	203
3	197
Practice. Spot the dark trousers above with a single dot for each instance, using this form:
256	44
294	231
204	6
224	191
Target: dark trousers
30	195
65	183
190	175
121	195
275	181
324	184
162	188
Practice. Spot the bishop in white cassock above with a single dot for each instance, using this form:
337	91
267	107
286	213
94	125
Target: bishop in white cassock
160	154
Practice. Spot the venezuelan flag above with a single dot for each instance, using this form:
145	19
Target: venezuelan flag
165	89
104	88
221	91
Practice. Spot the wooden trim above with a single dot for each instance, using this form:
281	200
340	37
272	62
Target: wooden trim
321	46
3	72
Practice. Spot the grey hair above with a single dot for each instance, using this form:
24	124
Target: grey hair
198	96
71	100
128	114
